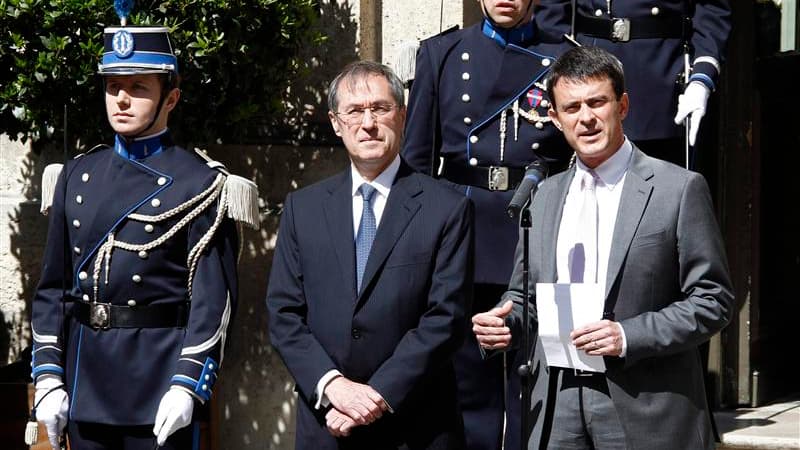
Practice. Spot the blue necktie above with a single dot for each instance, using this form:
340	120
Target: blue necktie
366	232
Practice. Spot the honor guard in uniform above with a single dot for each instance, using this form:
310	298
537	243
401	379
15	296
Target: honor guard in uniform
139	281
671	51
477	116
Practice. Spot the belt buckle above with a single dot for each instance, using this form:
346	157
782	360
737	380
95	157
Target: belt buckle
100	316
582	373
621	30
498	178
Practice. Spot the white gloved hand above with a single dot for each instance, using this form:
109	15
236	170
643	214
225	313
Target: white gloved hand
692	101
174	413
52	408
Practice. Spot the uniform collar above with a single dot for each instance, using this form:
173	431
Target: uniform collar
518	35
141	147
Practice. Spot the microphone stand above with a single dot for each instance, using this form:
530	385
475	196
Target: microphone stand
524	370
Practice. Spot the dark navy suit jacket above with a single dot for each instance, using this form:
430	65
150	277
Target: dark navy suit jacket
399	333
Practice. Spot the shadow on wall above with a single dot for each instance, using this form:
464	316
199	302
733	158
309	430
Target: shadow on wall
28	233
255	400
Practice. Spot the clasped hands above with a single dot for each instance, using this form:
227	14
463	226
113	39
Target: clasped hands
353	404
601	338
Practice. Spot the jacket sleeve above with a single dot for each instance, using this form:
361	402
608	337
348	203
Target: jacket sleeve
214	294
711	25
289	333
553	18
708	294
443	324
420	115
47	318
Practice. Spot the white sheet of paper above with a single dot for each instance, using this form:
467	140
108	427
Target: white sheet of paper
560	309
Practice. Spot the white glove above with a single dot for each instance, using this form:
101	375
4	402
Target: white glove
52	408
174	413
692	101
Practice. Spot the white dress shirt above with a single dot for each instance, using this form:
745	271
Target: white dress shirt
610	176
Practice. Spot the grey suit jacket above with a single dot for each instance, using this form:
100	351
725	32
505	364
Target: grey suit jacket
667	285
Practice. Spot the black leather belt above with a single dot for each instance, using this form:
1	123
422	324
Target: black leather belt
102	316
620	29
493	178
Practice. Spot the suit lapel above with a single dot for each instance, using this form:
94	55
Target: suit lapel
401	206
635	195
550	225
338	210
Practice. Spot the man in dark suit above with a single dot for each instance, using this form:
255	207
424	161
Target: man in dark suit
477	117
657	255
371	284
657	41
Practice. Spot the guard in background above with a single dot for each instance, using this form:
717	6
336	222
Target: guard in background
477	116
663	44
139	282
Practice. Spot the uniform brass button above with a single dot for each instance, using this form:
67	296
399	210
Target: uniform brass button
86	297
465	98
465	76
131	302
149	228
598	12
467	120
85	177
136	278
473	161
210	366
83	275
161	181
545	104
143	254
79	199
473	139
655	11
539	125
546	62
207	377
205	387
155	202
77	250
76	223
535	146
465	56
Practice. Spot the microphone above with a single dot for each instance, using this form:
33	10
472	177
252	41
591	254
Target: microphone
534	174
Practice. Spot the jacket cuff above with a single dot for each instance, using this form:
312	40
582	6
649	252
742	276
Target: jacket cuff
197	378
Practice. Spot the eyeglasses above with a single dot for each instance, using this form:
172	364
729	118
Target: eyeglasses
355	115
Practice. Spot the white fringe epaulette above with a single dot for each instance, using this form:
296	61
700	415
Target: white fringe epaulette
241	194
407	61
49	180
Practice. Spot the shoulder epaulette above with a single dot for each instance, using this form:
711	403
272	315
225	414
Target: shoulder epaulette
49	180
442	33
97	147
241	194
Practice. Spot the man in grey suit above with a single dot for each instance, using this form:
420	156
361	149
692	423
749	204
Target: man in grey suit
658	256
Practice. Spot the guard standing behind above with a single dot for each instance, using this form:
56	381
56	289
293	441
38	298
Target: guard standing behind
477	116
655	40
139	280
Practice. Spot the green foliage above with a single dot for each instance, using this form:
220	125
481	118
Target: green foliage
235	59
